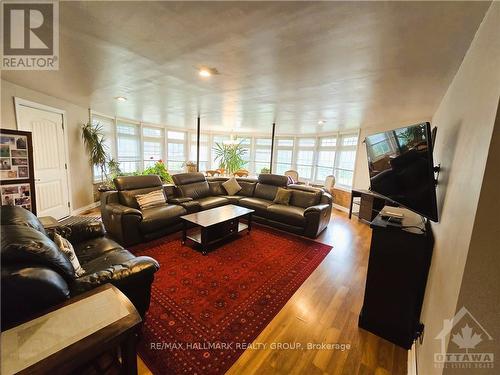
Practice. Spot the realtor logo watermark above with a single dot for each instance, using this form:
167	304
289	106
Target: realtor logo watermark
30	35
469	345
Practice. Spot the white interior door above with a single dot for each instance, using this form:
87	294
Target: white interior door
50	164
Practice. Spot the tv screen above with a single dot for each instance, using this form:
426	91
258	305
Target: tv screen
401	168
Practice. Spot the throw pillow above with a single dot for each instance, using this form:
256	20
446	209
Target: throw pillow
154	199
231	186
67	248
283	196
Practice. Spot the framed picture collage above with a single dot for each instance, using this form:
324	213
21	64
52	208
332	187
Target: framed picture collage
17	186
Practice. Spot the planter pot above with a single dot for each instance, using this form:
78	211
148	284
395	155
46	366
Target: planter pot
191	168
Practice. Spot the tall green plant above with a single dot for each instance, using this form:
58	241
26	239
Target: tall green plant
230	156
93	139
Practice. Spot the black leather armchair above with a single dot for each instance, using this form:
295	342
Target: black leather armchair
36	275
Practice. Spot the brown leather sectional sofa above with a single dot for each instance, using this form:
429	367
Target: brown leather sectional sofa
307	214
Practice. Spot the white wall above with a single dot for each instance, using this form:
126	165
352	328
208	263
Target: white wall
80	170
465	120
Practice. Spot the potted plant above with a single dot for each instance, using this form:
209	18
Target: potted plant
265	170
159	169
94	142
190	166
230	156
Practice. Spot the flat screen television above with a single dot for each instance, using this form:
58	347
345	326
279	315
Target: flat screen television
401	168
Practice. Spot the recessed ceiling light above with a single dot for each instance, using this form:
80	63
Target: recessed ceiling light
121	98
204	72
207	72
321	122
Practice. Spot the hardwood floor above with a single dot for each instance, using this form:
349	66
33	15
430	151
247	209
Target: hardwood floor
325	310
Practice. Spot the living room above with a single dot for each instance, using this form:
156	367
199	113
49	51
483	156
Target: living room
250	187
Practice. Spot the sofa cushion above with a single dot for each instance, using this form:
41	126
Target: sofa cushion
137	182
216	188
273	179
282	197
231	186
15	215
127	197
195	190
21	244
287	214
305	199
156	218
247	188
154	199
264	191
233	199
188	178
257	204
67	248
212	202
105	261
93	248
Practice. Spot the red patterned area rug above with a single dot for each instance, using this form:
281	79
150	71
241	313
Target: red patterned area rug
205	308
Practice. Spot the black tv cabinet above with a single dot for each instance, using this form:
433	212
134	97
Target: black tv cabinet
398	266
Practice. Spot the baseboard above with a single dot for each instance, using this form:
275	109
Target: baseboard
412	360
88	207
341	208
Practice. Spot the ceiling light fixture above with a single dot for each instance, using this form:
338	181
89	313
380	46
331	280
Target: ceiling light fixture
205	72
321	122
121	98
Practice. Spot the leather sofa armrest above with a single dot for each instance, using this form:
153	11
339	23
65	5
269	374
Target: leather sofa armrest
326	198
79	232
179	200
317	219
122	223
120	209
28	290
316	209
118	274
188	203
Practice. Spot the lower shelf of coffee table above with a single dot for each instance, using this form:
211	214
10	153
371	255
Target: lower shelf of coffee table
195	234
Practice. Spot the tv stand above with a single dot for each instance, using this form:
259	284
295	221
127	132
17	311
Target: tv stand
398	265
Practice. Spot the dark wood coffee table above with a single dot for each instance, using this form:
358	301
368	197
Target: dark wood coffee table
215	224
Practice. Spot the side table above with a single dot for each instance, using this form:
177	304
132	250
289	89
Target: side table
74	333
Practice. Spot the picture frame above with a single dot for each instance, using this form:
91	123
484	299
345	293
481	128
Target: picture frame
17	178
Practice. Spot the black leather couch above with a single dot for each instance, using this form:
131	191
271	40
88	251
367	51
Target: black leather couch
36	275
308	213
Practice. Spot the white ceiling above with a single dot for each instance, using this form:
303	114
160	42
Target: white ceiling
353	64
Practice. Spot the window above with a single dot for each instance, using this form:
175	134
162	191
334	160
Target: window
220	139
107	128
326	158
284	155
176	151
128	147
152	145
204	152
246	143
305	157
262	156
344	166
